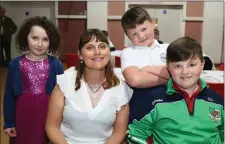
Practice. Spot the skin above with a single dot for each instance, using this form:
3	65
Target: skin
186	73
142	35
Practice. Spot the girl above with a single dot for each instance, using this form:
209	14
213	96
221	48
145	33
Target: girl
30	81
89	105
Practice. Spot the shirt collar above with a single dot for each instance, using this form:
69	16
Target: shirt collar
171	90
155	45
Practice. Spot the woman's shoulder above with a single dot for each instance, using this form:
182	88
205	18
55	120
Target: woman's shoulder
69	74
66	80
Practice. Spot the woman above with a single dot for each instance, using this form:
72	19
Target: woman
89	105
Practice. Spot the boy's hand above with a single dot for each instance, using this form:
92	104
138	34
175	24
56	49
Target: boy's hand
11	132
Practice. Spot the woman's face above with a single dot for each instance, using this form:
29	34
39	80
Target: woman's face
95	54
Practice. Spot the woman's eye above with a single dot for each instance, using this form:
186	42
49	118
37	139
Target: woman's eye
90	47
102	46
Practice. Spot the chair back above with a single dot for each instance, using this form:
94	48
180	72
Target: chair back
71	59
218	87
117	62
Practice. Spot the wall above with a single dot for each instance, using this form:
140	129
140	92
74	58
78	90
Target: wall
213	30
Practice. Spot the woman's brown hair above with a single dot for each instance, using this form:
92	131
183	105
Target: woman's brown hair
111	79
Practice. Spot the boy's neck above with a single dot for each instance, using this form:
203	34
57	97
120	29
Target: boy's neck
151	44
189	91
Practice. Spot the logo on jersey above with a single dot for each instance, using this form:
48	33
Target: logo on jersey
163	57
214	114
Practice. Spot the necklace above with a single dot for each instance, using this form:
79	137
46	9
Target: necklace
93	87
94	92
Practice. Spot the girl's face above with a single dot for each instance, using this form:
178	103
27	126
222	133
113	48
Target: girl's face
95	54
38	42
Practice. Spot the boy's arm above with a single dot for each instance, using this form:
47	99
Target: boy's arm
139	131
159	70
141	79
133	75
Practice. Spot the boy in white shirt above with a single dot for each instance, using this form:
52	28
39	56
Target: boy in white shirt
144	63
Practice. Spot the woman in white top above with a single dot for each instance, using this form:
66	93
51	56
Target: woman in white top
89	105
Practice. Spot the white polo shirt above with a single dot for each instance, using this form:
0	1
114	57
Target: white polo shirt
142	56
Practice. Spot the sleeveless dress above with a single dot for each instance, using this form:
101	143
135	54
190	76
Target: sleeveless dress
32	105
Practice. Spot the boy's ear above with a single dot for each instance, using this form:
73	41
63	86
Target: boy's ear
203	63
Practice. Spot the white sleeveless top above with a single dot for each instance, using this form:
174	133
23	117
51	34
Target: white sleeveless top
83	124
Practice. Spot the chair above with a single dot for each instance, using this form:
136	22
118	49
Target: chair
71	59
117	62
218	87
222	66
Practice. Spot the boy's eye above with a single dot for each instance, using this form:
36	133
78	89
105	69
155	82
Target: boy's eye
134	34
176	66
192	65
144	29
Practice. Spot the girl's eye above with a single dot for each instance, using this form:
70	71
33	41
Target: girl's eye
34	37
46	39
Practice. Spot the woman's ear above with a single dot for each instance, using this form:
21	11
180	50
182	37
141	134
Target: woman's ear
79	55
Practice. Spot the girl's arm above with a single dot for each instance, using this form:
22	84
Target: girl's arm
54	117
9	100
120	126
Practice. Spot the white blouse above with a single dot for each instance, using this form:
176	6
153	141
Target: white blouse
83	124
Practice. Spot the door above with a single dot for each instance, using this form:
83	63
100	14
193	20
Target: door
169	20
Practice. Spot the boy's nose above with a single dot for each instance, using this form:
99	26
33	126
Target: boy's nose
184	70
141	36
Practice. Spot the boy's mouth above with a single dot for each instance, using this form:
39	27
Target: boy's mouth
185	77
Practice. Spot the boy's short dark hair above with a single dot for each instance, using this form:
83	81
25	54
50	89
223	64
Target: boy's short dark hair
134	16
182	49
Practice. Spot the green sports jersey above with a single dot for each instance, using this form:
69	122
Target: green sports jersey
171	123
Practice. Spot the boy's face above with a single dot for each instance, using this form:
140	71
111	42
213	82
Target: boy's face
142	35
186	73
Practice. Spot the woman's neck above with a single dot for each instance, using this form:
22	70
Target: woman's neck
94	77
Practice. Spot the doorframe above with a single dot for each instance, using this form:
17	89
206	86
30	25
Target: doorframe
153	3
